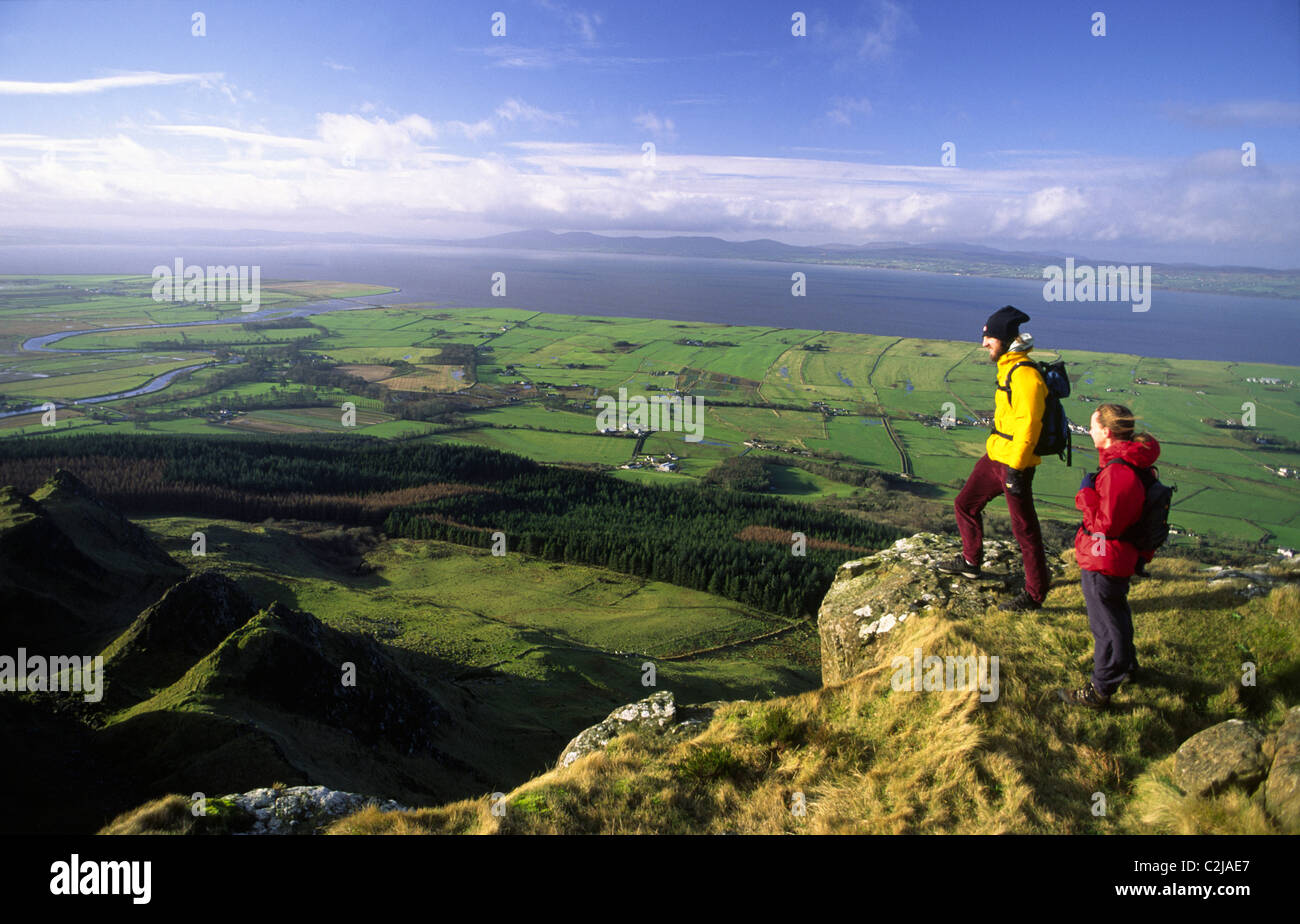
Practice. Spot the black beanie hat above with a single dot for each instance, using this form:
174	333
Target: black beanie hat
1004	324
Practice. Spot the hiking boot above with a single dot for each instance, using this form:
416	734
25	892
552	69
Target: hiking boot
1086	696
959	565
1020	603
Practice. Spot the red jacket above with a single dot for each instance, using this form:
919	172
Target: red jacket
1113	506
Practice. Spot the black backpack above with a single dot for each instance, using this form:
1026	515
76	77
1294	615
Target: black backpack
1152	527
1054	439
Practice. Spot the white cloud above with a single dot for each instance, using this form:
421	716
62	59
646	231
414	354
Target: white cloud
376	138
713	100
509	112
401	182
471	130
515	56
892	21
518	56
1048	205
223	133
843	109
514	110
814	149
100	84
582	22
659	129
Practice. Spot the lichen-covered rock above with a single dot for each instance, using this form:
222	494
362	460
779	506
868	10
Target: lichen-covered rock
1230	753
1256	581
1282	788
291	810
656	714
874	595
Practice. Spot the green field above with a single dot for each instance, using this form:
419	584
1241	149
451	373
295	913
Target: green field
517	619
530	394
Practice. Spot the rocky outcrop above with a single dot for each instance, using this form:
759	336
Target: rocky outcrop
1255	581
874	595
1235	754
1220	756
657	714
1282	788
291	810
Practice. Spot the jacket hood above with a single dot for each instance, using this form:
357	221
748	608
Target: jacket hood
1142	453
1016	354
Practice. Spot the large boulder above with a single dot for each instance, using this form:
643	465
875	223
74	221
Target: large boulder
290	810
1282	788
657	714
1227	754
872	596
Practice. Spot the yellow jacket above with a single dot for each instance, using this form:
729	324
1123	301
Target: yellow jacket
1019	415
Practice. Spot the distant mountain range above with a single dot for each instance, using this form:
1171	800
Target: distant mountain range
951	258
873	254
586	242
717	248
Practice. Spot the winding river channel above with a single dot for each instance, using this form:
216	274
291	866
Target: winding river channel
44	344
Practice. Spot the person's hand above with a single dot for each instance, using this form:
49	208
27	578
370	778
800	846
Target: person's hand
1014	483
1089	481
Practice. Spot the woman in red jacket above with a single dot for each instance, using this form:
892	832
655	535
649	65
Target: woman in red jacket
1111	502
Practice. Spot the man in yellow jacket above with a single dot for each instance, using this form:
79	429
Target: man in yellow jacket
1007	466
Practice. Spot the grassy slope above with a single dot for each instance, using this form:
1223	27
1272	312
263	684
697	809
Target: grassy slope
519	653
871	760
543	649
271	689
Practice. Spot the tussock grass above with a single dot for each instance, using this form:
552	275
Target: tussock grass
1160	808
458	818
868	759
168	815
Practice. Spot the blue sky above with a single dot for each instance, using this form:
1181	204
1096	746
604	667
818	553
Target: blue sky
412	119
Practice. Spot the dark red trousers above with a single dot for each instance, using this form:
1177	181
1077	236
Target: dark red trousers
985	483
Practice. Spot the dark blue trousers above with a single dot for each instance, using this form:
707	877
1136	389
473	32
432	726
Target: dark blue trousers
1111	621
